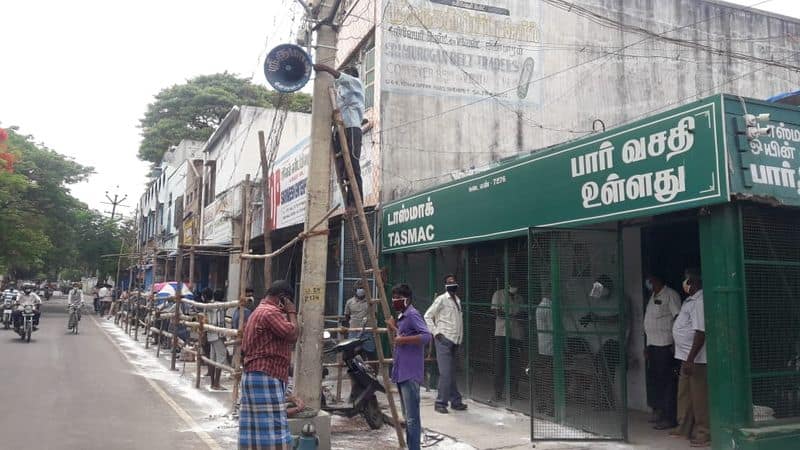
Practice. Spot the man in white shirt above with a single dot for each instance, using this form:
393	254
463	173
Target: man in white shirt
105	299
543	369
350	101
660	313
688	331
446	324
507	306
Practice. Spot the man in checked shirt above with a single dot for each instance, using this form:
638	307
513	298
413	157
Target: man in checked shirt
269	337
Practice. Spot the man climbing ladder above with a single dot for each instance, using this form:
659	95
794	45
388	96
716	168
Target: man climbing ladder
350	102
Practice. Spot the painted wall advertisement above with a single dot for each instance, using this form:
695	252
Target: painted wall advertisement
462	48
675	160
217	225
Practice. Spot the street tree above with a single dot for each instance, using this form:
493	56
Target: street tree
193	110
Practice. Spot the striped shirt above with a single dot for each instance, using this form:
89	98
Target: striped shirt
268	341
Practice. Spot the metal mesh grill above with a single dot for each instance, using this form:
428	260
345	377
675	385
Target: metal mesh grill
772	268
486	276
578	364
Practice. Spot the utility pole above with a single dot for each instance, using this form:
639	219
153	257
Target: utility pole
308	373
116	201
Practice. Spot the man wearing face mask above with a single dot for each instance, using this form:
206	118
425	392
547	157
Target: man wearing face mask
660	313
355	311
409	359
506	304
689	333
447	327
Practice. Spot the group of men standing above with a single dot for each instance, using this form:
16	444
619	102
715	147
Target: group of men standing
676	358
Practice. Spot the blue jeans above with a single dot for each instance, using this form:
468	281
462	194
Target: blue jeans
409	400
446	360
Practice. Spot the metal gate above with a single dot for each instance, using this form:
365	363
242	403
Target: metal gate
578	335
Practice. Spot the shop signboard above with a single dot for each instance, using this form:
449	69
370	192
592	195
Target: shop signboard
671	161
767	166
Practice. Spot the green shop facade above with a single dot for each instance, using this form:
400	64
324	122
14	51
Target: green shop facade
714	184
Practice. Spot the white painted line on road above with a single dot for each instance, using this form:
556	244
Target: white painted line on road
194	426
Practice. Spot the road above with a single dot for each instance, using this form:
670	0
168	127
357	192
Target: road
63	391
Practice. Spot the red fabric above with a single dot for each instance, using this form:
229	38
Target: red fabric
268	341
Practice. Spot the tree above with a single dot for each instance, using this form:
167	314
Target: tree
44	230
193	110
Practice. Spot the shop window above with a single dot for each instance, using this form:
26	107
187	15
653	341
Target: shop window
772	274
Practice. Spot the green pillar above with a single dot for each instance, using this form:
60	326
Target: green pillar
721	252
559	395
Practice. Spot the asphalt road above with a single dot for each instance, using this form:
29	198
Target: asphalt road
63	391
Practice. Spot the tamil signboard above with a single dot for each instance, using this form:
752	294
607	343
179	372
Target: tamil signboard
766	166
674	160
288	186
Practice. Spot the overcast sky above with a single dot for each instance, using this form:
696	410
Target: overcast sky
79	74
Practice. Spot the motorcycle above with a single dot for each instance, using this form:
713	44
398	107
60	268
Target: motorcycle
74	318
48	292
26	329
7	311
363	384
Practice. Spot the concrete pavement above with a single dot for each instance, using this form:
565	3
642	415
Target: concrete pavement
63	391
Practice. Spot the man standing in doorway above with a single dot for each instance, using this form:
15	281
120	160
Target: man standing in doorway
447	327
267	344
506	304
350	101
660	313
409	359
689	333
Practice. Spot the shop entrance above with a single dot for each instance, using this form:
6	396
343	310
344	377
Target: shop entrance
579	370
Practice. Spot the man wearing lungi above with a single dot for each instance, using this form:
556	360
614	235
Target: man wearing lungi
269	337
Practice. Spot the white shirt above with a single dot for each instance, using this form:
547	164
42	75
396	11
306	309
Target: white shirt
75	297
661	311
29	299
690	319
515	301
104	294
444	317
350	92
544	327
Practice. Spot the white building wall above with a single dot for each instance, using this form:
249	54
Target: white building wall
452	99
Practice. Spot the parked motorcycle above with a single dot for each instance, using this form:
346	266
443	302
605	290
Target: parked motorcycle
26	329
8	309
363	384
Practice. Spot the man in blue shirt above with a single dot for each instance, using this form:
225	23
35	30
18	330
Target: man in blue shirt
350	101
409	359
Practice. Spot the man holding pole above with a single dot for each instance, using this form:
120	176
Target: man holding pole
269	337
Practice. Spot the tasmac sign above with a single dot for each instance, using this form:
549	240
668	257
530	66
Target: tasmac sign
675	160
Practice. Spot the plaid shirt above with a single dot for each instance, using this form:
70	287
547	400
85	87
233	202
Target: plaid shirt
268	341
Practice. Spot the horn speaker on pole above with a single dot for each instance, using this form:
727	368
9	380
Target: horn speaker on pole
287	67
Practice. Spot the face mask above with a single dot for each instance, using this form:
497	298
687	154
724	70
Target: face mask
399	304
686	287
513	290
451	288
598	290
649	285
360	293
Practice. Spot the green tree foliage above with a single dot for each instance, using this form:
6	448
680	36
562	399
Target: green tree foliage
193	110
44	229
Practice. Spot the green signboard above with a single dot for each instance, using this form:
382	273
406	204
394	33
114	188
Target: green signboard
767	165
671	161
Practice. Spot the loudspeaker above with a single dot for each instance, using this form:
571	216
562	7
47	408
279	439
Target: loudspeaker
287	67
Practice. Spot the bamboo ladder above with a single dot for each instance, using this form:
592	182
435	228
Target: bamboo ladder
362	239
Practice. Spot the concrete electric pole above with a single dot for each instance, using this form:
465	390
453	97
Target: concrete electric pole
308	373
116	201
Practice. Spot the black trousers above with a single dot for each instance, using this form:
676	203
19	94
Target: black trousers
353	135
662	381
515	356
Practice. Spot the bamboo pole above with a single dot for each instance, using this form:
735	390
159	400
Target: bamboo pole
200	343
295	240
247	220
